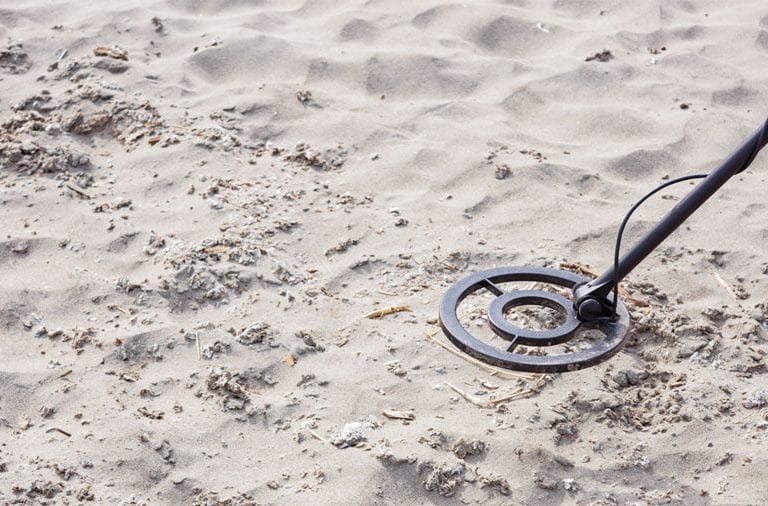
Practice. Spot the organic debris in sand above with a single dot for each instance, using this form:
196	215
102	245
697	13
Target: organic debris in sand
330	159
494	481
396	414
255	333
14	59
351	435
601	56
444	478
463	448
233	387
213	499
39	489
379	313
113	51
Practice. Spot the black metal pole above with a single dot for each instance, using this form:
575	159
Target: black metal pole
735	163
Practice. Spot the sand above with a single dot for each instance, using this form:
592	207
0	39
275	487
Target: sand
202	201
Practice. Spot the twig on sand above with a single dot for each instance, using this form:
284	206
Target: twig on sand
725	285
317	436
78	191
495	371
199	349
375	315
62	431
520	393
470	398
396	414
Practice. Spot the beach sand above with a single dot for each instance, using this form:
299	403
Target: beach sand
203	199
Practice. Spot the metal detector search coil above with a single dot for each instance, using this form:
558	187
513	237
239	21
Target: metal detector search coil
594	303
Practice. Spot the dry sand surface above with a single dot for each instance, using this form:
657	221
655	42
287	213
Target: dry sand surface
202	200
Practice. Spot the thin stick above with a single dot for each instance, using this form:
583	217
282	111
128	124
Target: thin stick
492	369
78	191
317	436
199	349
522	393
375	315
59	430
725	285
470	398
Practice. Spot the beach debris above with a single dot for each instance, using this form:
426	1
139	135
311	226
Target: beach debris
113	51
255	333
528	389
380	313
435	439
210	350
601	56
79	337
341	247
400	221
60	54
544	482
463	448
233	387
154	244
494	481
496	371
14	59
158	24
502	171
470	398
59	430
305	98
214	499
85	493
78	191
19	247
396	414
129	376
351	435
736	291
39	489
725	459
444	478
329	159
24	422
160	445
63	471
570	485
152	414
755	400
395	368
310	345
32	158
